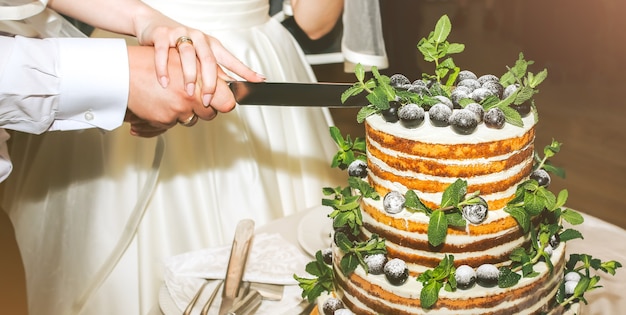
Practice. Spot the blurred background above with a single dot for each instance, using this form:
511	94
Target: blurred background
580	42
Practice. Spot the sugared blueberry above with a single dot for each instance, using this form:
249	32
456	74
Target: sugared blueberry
398	80
391	114
475	214
472	84
487	275
495	87
570	286
481	93
459	94
510	89
358	168
418	89
541	176
396	271
376	263
487	77
327	254
572	276
444	100
466	74
465	276
494	118
411	115
331	305
463	121
420	82
476	109
439	115
393	202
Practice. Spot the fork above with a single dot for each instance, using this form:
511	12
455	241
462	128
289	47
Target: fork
194	300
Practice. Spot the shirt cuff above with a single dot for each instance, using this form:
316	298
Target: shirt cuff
94	83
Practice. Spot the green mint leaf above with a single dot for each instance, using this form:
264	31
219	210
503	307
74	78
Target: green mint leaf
508	278
537	79
365	112
430	294
351	91
359	71
428	50
454	194
570	234
413	202
610	267
348	263
456	219
455	48
437	228
520	215
343	242
572	217
442	29
511	116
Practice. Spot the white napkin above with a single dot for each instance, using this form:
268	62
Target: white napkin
272	260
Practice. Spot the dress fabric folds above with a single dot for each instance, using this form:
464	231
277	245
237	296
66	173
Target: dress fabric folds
76	199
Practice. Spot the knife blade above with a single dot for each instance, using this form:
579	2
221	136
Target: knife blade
236	264
321	94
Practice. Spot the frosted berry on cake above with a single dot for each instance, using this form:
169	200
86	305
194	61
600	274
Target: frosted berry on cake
447	208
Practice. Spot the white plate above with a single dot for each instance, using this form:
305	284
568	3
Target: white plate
314	230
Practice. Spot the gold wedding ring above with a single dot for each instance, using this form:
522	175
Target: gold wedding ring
182	40
189	121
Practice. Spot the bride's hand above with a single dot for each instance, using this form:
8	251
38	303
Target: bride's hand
163	33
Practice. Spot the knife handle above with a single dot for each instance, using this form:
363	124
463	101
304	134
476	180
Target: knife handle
238	257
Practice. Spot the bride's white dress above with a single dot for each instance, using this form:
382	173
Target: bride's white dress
76	198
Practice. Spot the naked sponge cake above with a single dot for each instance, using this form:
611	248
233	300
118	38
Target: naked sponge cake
447	208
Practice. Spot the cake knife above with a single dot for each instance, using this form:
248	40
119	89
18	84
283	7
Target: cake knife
321	94
236	264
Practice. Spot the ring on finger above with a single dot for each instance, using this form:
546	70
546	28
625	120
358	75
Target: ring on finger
189	121
183	40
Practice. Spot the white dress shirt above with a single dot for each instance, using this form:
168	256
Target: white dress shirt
60	84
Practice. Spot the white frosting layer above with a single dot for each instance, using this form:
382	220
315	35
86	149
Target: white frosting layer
426	132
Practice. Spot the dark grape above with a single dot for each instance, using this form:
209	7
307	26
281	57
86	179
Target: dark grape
411	115
396	271
391	114
398	80
358	168
541	176
463	121
494	118
439	115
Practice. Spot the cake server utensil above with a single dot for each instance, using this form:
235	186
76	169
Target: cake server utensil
321	94
236	264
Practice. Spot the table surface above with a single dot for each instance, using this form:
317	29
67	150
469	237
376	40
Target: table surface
602	240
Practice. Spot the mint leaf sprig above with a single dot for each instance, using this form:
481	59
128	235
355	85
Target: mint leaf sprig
379	92
348	150
449	212
584	265
323	281
433	280
436	48
549	151
527	83
346	203
355	252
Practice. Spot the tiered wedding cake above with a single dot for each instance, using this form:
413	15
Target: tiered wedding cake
447	210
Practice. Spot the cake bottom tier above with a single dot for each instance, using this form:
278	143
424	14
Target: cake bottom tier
372	294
